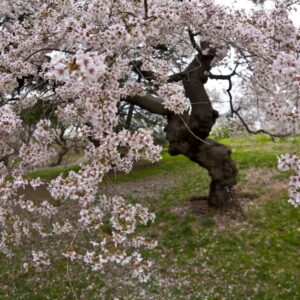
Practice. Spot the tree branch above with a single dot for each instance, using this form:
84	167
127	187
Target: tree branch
150	75
149	102
224	77
193	41
146	9
236	112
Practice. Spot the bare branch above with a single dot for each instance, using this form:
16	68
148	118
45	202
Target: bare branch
146	9
193	41
236	112
224	77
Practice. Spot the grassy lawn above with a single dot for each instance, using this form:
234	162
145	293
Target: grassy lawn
201	254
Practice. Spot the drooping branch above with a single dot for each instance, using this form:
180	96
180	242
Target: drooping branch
236	112
244	123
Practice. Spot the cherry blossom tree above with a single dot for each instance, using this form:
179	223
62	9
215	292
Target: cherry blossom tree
80	60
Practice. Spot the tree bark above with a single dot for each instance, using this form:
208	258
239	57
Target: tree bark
216	158
213	156
187	134
129	116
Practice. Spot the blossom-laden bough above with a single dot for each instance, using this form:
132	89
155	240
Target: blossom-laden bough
73	62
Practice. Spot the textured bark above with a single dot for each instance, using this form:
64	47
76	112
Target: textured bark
216	158
187	134
129	116
213	156
150	103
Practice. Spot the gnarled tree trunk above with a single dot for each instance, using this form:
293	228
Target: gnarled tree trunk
187	134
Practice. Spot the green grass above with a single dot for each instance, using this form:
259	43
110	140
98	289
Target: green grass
167	165
51	173
259	151
259	259
248	151
164	166
256	258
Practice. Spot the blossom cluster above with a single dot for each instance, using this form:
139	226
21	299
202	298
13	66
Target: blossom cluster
174	98
287	67
289	162
123	221
84	67
38	151
290	118
9	122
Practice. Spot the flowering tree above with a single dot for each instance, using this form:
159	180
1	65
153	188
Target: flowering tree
78	60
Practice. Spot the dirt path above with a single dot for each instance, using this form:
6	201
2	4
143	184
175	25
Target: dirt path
151	187
258	187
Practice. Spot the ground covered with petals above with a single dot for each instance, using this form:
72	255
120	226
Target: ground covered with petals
248	252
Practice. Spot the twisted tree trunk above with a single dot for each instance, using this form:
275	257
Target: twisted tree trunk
187	134
213	156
